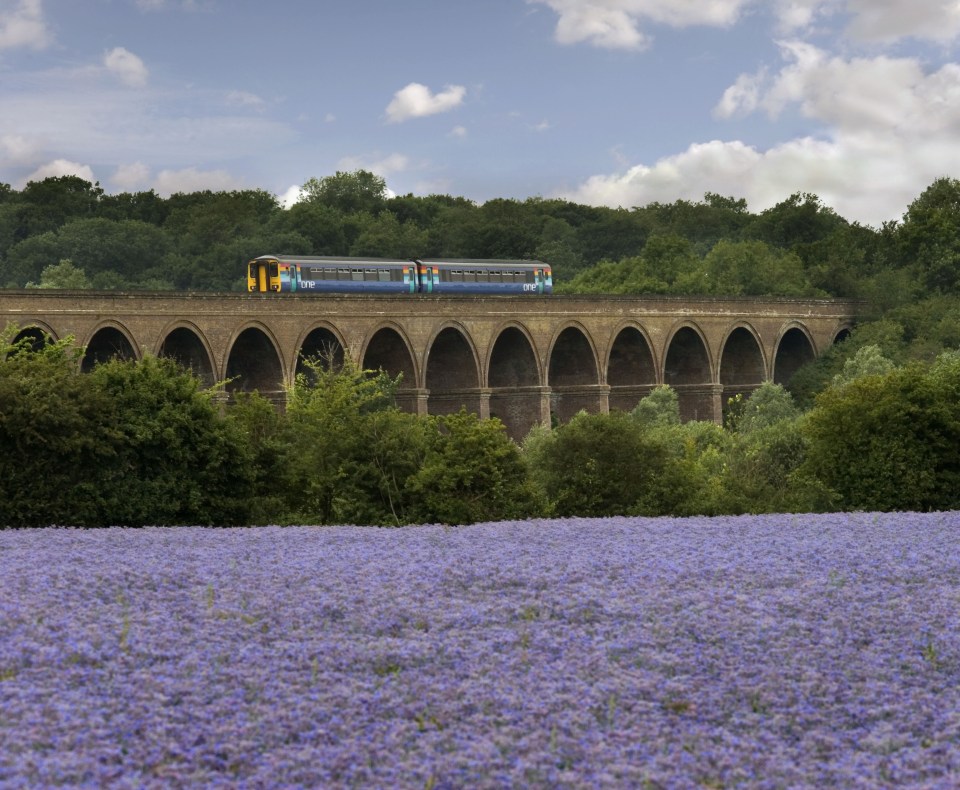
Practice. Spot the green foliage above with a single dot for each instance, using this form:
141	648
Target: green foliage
890	442
752	268
929	238
868	361
55	436
660	408
600	465
767	405
133	443
174	459
471	472
330	432
348	192
62	275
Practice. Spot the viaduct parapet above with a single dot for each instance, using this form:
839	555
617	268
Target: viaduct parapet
526	360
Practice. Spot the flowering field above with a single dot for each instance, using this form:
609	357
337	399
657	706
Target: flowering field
775	651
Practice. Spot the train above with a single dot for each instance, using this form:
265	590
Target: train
328	274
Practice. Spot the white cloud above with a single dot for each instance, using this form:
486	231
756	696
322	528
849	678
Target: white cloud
458	131
22	25
382	166
193	180
616	24
416	101
127	67
889	129
620	24
877	21
291	196
245	99
160	5
131	177
742	97
17	149
61	167
889	20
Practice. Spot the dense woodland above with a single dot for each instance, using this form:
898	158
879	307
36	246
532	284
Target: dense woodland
873	424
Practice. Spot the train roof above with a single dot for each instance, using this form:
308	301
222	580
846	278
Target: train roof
347	260
483	262
333	259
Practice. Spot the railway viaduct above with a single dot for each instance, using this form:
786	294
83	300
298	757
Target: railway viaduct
526	360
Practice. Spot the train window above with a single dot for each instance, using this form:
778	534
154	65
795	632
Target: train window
456	275
482	277
370	275
383	275
356	274
494	276
343	274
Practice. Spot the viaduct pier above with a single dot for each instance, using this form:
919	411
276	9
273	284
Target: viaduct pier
524	359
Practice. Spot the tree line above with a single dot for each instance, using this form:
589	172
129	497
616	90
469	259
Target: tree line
202	240
143	442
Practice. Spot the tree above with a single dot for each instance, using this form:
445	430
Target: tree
63	275
174	459
349	193
929	237
767	405
868	361
386	237
471	472
599	465
800	219
890	442
333	431
660	408
55	436
752	268
52	202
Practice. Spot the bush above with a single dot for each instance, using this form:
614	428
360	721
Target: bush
601	465
891	442
173	458
472	472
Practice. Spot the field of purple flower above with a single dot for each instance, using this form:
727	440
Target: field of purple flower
772	651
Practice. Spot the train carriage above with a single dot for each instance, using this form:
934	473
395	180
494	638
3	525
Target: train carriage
470	276
328	274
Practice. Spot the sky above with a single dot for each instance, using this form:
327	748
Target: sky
603	102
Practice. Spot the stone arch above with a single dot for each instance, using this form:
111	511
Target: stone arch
37	333
688	370
573	374
322	343
186	344
742	366
388	349
795	349
631	368
254	363
110	341
514	378
452	374
842	334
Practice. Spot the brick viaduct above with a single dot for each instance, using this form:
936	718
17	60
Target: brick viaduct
523	359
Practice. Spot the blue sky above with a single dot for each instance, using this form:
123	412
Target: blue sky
606	102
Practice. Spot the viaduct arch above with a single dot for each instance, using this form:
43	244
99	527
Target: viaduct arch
525	360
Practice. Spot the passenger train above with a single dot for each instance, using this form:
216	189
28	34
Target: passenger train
321	274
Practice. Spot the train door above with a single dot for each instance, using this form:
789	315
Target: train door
263	275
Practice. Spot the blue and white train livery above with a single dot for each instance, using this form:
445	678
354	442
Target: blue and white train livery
326	274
